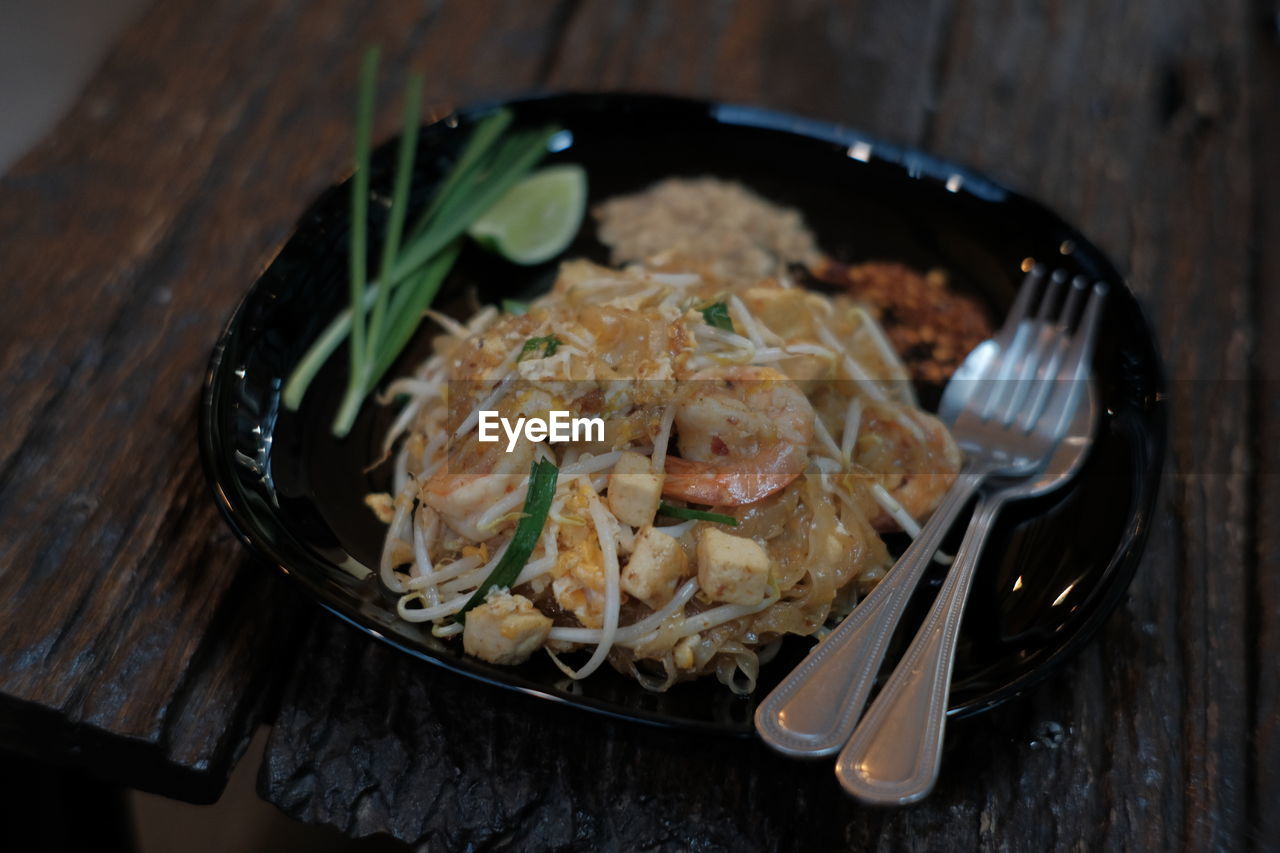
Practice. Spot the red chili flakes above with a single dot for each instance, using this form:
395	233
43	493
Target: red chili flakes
930	325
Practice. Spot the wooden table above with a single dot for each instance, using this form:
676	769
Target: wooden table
138	641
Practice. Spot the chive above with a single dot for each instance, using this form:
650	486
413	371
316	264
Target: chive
515	306
695	514
510	162
412	300
496	162
359	382
358	260
365	341
717	314
331	338
469	206
537	504
382	315
478	144
399	206
295	387
548	343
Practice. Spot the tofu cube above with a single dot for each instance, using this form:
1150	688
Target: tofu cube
732	569
683	653
506	629
656	566
634	490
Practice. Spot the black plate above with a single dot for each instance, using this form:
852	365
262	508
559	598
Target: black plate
294	493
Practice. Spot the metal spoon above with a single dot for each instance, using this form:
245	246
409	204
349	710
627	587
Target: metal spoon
809	715
894	753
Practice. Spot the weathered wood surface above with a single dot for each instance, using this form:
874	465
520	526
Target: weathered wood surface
131	629
1263	625
133	640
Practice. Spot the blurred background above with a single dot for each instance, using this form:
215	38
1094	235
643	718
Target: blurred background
48	51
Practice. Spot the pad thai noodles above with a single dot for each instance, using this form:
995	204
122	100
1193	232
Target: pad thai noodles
754	442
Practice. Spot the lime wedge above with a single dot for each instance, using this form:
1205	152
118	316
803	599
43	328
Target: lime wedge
537	218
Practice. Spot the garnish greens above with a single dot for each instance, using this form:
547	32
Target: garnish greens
385	312
538	218
537	503
515	306
548	344
684	512
717	314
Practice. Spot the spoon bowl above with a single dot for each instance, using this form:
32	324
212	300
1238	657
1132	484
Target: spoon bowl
1067	458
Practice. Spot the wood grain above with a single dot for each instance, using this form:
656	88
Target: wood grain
140	644
1263	618
1134	123
130	624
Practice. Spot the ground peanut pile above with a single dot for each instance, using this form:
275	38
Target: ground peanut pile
724	229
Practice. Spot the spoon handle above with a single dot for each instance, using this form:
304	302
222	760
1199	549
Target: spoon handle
893	756
813	710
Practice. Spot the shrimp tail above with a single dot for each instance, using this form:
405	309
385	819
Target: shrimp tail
771	470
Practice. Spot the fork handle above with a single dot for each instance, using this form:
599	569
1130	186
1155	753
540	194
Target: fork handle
814	709
894	754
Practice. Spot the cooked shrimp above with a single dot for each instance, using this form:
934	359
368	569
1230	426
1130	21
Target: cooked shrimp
916	469
475	479
743	434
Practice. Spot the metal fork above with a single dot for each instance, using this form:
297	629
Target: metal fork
895	752
814	710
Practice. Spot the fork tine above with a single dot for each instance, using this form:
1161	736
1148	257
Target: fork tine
1011	340
1076	367
1021	307
1041	343
1044	383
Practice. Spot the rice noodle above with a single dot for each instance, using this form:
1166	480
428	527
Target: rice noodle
483	319
456	568
433	449
630	634
582	340
490	400
398	533
852	425
400	470
449	324
531	570
766	355
410	386
887	353
723	336
734	658
590	464
612	594
824	437
708	619
675	531
426	614
658	461
628	339
492	516
869	386
426	526
742	319
899	514
675	279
